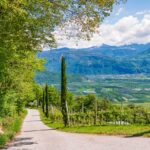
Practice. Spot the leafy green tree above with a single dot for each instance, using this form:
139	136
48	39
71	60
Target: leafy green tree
89	101
79	103
54	96
19	106
70	101
104	104
90	104
38	94
27	28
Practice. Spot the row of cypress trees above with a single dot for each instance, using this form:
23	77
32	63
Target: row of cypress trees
64	105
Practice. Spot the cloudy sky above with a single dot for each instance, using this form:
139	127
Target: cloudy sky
129	23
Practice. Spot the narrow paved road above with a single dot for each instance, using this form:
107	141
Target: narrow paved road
36	136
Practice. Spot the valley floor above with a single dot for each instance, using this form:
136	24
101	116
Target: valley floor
37	136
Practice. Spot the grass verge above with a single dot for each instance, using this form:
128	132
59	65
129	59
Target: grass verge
11	126
121	130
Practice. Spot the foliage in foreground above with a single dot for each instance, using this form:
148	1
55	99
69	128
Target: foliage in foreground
26	29
10	126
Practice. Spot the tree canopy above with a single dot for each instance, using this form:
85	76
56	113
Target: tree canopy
28	25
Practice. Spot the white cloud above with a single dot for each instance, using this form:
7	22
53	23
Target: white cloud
128	30
119	11
142	12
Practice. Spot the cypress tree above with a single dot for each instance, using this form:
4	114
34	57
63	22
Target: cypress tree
46	100
37	99
43	101
64	92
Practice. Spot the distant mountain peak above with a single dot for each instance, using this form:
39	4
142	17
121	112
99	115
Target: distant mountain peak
104	46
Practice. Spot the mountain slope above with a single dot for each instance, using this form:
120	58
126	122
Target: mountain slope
129	59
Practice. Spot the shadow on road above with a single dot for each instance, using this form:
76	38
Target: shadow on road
22	144
138	134
17	142
22	139
38	130
36	115
32	120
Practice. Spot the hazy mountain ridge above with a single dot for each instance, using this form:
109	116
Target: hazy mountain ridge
128	59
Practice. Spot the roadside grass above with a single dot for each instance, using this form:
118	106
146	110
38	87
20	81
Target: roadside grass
11	126
127	130
117	130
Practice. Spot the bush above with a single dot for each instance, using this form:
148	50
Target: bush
3	139
10	126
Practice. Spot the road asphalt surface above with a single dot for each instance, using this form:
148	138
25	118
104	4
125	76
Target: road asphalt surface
37	136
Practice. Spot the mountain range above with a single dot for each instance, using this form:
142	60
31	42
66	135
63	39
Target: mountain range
105	59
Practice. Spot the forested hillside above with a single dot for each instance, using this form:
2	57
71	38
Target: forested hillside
28	26
129	59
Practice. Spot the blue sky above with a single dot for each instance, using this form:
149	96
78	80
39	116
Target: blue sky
128	23
137	5
131	7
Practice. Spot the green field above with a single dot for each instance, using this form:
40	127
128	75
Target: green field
127	88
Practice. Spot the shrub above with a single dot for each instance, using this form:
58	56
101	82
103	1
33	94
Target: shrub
10	125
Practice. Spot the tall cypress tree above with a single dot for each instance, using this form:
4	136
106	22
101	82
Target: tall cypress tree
46	100
43	101
64	92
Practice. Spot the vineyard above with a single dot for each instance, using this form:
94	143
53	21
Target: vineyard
85	110
105	118
89	110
